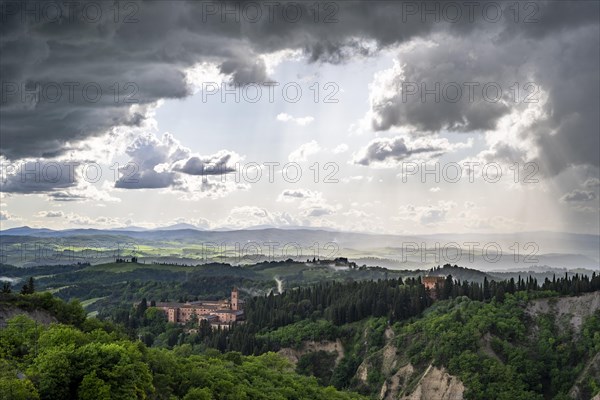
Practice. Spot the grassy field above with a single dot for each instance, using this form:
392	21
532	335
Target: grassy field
89	302
128	267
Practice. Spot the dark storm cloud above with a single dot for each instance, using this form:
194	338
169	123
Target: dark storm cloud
441	86
556	64
244	72
569	70
147	58
38	177
63	82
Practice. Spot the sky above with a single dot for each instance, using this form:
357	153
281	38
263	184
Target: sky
379	116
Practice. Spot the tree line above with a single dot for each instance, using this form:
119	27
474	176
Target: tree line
347	302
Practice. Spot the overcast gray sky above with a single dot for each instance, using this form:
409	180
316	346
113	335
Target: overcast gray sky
395	117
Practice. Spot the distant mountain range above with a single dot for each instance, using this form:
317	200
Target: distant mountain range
28	231
482	251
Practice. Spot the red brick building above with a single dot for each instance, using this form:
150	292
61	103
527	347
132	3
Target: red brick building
218	313
430	283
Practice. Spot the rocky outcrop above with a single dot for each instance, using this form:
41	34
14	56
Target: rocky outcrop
397	383
437	384
485	343
389	353
592	369
570	311
312	346
7	312
362	372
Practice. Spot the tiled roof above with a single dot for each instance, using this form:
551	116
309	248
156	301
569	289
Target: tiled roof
236	312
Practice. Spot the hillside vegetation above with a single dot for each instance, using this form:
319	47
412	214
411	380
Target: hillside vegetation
501	352
381	339
94	361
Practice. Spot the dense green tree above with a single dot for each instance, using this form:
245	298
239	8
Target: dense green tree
28	287
93	388
17	389
198	394
319	364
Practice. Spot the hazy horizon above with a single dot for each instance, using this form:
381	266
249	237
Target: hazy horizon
375	118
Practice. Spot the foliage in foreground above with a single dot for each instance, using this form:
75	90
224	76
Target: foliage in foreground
91	362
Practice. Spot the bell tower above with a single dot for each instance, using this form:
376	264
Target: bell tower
234	299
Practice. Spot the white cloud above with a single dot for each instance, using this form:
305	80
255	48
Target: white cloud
220	163
302	121
357	178
318	211
209	188
293	194
166	164
272	60
498	223
202	223
354	213
77	219
430	215
247	216
342	148
51	214
312	204
303	152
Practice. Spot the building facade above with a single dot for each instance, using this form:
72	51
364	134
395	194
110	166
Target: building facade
431	282
217	313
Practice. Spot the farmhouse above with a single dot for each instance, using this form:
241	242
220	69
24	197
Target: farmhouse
218	313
